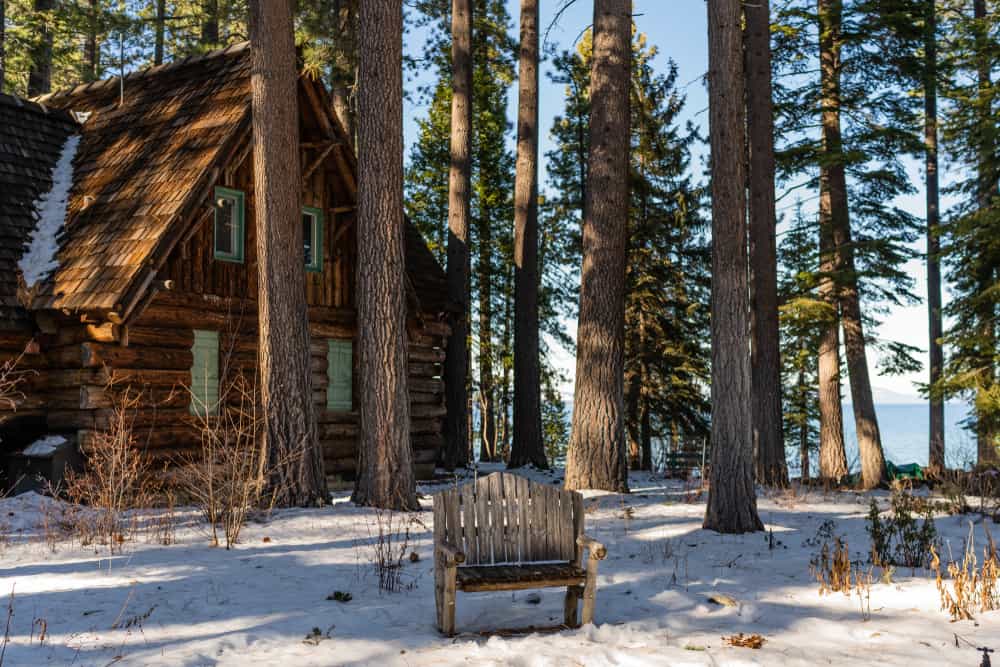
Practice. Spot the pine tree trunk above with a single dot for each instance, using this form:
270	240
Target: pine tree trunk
345	65
645	434
987	430
294	456
506	354
865	419
40	72
632	422
209	37
803	432
3	43
456	365
91	52
385	462
159	30
487	388
935	327
732	500
832	454
528	446
765	394
597	457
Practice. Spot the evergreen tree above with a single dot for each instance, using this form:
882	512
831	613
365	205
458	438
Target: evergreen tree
666	360
972	230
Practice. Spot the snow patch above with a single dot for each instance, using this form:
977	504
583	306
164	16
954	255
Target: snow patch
50	213
45	446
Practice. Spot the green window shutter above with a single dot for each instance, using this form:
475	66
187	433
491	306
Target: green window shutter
230	225
339	373
205	373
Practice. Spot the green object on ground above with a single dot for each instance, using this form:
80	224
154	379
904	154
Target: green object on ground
904	471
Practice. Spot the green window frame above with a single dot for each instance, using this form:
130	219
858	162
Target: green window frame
205	373
340	375
231	234
312	237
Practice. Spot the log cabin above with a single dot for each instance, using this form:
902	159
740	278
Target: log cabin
149	279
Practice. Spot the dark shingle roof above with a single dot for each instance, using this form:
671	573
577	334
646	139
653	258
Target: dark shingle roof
31	140
145	159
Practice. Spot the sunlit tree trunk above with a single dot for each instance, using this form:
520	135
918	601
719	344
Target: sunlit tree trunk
527	446
935	327
832	454
597	457
294	455
456	365
385	462
865	419
732	498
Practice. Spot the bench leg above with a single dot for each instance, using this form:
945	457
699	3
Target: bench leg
590	591
571	606
446	607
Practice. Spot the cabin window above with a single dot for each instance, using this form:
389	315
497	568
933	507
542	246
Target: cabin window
312	237
229	232
339	373
205	373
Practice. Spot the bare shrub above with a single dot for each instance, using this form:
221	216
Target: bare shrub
389	536
227	478
11	380
114	479
971	590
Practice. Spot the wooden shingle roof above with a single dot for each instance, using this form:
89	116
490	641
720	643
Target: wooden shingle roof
150	152
31	139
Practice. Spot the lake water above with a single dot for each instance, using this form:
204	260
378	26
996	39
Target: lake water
904	434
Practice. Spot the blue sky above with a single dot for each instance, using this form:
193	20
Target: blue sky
678	29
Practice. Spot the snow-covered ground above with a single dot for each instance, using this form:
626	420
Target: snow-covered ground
190	604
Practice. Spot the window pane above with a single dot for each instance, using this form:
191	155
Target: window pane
225	226
307	237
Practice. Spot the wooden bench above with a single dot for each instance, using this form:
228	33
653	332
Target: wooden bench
505	532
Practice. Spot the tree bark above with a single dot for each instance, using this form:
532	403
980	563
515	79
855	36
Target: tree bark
732	500
91	51
345	67
597	448
3	43
294	456
803	435
459	201
209	37
987	430
487	390
527	446
385	461
832	454
865	419
935	326
159	30
40	72
765	359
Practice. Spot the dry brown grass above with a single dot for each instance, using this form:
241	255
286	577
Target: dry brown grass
969	589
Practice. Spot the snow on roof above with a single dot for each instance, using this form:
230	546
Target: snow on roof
50	211
44	446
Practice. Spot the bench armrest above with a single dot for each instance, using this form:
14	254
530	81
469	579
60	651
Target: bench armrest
452	556
596	549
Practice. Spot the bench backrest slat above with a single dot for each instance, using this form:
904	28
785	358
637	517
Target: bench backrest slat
505	518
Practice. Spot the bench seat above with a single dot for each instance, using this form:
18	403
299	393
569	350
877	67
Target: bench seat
518	577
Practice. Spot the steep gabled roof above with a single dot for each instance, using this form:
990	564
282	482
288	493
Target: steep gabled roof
150	151
148	154
31	139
